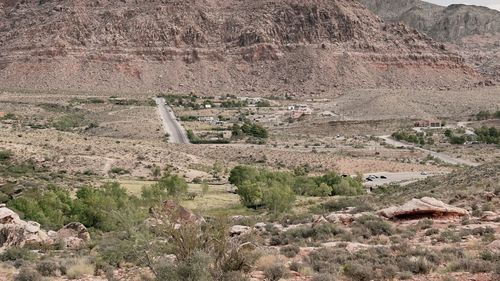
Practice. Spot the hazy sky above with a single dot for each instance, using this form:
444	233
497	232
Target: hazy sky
494	4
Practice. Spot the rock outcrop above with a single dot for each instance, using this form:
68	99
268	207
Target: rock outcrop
73	235
425	207
19	233
15	232
179	214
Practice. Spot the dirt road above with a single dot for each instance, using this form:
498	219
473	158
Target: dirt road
170	123
443	157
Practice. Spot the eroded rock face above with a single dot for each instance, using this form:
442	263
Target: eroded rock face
16	232
420	208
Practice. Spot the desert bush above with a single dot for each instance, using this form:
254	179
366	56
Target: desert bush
405	275
5	155
367	226
326	260
28	274
338	204
471	265
119	171
324	277
358	272
450	254
425	224
275	271
67	122
449	236
317	233
431	231
77	268
49	268
194	268
16	253
234	276
290	251
416	265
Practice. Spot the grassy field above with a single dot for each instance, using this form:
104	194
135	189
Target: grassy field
217	202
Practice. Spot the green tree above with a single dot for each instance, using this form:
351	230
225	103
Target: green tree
278	198
239	174
173	185
251	193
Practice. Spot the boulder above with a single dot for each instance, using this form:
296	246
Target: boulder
420	208
260	226
178	214
237	230
490	216
494	246
16	232
343	218
73	235
318	219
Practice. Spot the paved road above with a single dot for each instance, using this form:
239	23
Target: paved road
170	123
444	157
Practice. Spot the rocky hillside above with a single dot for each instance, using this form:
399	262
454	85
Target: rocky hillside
267	46
475	29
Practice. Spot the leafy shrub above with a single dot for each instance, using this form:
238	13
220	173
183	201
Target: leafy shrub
488	135
417	138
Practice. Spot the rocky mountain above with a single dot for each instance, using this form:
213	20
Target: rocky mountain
209	46
452	23
475	30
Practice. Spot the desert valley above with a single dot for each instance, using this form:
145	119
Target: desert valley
301	140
